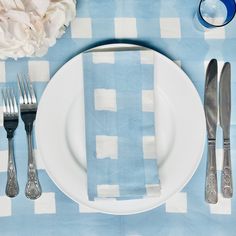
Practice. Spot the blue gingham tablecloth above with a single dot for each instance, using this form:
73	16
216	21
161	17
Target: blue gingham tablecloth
167	26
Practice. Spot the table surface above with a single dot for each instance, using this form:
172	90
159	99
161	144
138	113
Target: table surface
167	26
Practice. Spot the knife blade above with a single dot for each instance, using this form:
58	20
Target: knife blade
211	111
225	115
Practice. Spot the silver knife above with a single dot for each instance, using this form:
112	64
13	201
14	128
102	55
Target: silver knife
225	112
210	107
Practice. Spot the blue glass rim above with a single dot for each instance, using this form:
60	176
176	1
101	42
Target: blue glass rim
231	11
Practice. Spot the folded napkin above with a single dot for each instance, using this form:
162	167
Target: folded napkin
119	118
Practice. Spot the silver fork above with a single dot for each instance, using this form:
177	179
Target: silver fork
28	109
10	122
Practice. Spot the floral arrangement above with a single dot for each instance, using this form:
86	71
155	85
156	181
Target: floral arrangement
30	27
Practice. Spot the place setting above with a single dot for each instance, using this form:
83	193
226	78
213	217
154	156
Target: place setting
121	128
74	129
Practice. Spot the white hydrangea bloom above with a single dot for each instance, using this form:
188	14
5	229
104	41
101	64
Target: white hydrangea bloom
29	27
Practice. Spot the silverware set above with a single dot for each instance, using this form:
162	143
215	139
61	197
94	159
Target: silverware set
211	105
28	109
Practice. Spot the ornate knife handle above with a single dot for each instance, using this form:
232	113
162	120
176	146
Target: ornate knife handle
33	188
226	178
211	191
12	187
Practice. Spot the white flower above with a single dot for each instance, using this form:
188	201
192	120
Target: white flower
29	27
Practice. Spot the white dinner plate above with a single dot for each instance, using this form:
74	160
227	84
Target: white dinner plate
180	128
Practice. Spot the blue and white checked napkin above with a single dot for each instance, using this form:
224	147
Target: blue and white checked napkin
120	131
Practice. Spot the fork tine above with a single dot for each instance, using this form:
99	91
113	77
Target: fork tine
14	101
9	98
4	101
8	110
34	100
26	90
27	83
23	97
31	89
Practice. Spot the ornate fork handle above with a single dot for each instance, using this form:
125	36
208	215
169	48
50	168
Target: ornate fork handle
226	182
33	187
12	187
211	191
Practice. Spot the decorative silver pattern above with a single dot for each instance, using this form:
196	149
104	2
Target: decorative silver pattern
10	115
28	108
